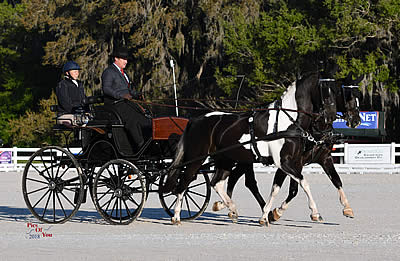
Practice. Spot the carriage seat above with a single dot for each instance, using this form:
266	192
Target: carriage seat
81	116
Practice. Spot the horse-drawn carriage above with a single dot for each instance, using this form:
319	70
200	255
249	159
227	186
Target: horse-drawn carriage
118	176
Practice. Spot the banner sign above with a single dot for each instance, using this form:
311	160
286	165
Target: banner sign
369	120
368	153
5	157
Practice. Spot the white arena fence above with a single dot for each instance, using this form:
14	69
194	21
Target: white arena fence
349	159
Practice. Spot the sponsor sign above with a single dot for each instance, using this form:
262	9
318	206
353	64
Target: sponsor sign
5	157
368	153
369	120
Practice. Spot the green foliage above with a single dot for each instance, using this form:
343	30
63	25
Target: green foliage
15	97
288	39
267	43
269	51
35	128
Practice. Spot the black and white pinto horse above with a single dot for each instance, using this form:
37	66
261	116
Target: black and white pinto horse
226	132
319	153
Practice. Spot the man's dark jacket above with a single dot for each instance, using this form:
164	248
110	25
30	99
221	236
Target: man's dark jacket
114	84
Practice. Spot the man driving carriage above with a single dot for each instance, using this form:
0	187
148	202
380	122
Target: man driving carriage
119	92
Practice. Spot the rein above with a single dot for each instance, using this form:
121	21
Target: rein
228	110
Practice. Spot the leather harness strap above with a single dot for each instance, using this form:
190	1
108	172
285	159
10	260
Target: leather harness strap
253	143
277	106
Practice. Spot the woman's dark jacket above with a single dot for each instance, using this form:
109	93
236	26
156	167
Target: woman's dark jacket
70	97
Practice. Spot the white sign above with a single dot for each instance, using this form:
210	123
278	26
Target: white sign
368	153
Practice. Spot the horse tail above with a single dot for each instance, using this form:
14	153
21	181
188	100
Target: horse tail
172	178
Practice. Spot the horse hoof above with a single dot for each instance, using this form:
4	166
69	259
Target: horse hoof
175	221
263	222
273	215
233	216
348	212
316	217
218	205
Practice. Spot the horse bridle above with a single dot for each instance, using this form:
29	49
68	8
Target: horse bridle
348	91
327	103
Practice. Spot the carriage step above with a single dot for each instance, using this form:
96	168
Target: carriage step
76	197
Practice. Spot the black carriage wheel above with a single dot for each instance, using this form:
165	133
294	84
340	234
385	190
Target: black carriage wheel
195	199
52	185
119	192
99	153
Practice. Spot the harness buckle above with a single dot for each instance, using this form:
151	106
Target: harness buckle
308	136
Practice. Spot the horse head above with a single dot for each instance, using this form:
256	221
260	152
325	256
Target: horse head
348	101
328	100
351	113
346	92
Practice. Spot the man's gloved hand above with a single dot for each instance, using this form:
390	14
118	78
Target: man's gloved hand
127	96
137	95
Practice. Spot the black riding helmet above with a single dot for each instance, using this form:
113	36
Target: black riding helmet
70	65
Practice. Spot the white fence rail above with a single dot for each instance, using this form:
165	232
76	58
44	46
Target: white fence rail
349	158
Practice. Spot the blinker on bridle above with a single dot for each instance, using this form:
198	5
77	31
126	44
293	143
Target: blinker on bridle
325	91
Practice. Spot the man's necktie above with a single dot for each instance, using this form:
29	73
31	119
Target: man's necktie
122	71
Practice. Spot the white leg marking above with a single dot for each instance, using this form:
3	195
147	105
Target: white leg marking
176	219
311	203
267	208
284	206
219	188
347	210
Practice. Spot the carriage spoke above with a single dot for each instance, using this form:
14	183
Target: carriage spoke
104	194
116	175
58	166
61	205
127	208
197	185
120	210
47	203
136	190
102	183
40	172
45	167
69	181
41	199
54	206
65	171
72	204
108	203
173	202
194	202
36	180
196	193
134	201
112	210
51	163
111	177
37	190
188	207
70	189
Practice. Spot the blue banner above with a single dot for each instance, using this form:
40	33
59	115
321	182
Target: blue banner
369	120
